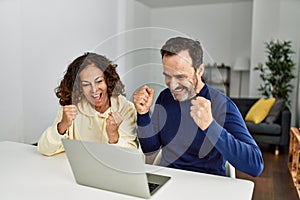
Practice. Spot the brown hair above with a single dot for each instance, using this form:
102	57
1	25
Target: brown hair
69	90
175	45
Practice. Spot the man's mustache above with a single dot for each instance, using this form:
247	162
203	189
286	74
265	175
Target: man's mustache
179	88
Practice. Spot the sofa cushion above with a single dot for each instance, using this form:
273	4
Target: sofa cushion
259	111
275	111
264	128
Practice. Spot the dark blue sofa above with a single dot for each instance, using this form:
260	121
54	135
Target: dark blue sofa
277	133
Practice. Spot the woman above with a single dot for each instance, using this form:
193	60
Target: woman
93	107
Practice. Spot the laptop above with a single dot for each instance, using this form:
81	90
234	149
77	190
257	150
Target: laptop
113	168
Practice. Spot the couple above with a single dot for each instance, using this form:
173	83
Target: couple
196	127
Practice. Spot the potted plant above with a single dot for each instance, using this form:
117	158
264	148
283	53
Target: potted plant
277	72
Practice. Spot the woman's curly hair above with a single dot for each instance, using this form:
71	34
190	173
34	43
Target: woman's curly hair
69	90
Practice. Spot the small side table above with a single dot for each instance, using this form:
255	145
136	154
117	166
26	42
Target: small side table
293	158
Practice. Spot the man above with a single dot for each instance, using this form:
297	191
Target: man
196	127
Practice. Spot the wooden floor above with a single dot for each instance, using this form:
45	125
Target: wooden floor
275	182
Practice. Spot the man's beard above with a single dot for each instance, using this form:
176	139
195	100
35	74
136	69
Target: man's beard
189	94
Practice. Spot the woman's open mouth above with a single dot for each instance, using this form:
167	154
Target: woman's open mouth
97	98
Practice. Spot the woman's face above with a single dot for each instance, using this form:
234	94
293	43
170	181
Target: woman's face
94	87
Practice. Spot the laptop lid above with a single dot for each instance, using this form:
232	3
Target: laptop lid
110	167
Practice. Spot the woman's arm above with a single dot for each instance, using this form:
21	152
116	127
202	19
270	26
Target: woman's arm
50	141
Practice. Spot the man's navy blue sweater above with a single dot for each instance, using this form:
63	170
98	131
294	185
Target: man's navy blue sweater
185	146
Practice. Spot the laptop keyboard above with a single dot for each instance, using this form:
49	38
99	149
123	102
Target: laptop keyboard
152	186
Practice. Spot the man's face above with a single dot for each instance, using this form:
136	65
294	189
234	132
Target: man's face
180	75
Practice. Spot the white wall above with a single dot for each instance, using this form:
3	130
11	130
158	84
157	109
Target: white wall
289	29
139	54
240	46
282	22
264	28
297	122
11	106
223	29
38	40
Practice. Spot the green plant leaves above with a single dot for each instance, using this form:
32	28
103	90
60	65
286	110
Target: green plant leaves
278	70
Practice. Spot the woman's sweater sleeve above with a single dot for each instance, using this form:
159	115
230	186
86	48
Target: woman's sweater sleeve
50	140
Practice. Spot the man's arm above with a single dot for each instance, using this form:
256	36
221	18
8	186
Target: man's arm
235	143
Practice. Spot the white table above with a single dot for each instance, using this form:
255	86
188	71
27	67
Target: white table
25	174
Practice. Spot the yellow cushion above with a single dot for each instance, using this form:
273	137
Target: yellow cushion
260	109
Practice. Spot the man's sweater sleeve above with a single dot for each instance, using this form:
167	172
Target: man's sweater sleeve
146	133
235	143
